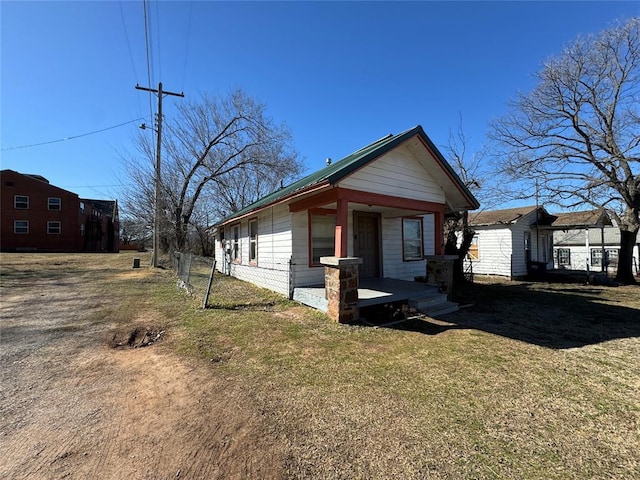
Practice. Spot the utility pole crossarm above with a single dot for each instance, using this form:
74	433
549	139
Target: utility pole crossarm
159	90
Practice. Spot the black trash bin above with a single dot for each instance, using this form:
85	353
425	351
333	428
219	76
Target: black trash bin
536	269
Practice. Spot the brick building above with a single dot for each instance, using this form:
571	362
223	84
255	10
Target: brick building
38	216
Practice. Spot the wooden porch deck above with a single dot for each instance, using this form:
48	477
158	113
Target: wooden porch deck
371	291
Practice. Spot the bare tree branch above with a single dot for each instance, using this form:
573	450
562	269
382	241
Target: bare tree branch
578	131
209	142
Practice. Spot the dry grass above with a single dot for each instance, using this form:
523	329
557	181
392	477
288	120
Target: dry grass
532	381
536	381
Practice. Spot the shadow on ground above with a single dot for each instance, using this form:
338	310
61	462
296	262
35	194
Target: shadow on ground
550	315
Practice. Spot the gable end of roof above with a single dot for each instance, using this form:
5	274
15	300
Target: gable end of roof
335	172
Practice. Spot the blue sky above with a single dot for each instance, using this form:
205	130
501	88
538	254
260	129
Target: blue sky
339	74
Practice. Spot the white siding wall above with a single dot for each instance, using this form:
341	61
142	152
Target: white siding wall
580	256
397	171
303	275
575	241
393	265
274	251
218	253
494	251
501	248
429	228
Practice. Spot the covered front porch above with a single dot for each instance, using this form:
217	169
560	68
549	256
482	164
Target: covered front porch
380	291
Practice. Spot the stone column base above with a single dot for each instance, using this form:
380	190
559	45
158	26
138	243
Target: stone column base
440	271
341	287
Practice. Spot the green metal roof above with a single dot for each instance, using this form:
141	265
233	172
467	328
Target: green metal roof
335	172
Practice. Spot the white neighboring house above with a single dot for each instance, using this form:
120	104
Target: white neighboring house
512	241
384	203
582	239
507	240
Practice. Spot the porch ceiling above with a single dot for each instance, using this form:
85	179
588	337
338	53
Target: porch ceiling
386	212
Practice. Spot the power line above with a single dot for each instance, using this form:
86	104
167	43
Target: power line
186	50
97	186
74	136
126	35
159	52
146	39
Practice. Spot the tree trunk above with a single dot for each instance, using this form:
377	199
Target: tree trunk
181	235
451	248
625	257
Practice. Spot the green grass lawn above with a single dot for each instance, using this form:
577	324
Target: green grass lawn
528	381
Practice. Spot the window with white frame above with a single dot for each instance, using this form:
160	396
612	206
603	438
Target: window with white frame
323	236
82	207
235	248
21	226
611	257
253	240
21	202
412	245
53	228
82	229
527	246
563	257
54	203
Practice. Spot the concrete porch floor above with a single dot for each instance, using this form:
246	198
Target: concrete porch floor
371	291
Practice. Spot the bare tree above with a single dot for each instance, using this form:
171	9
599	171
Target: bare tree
134	232
474	174
578	132
137	198
236	190
210	144
199	238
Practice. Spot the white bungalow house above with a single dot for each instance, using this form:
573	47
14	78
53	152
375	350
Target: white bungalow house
510	242
507	240
383	206
582	239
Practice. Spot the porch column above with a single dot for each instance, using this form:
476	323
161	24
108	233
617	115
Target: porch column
586	245
341	287
342	222
603	265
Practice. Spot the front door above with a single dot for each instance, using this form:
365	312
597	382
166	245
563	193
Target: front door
366	243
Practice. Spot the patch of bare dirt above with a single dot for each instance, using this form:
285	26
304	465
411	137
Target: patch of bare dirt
72	407
136	337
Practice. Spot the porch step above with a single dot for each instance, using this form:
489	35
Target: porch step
433	304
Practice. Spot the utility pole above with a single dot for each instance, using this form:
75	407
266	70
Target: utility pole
156	214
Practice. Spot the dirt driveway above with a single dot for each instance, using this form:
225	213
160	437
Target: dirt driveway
72	407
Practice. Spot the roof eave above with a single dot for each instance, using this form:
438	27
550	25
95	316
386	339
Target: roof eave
314	188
